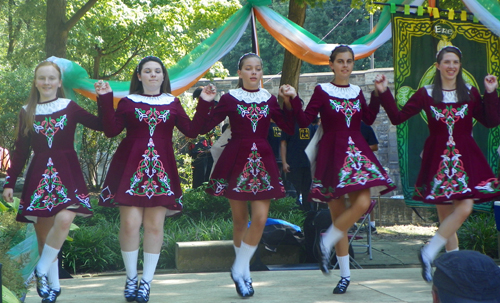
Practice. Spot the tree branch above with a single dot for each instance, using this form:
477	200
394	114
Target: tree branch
79	14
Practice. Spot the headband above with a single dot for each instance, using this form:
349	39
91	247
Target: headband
145	58
243	57
448	46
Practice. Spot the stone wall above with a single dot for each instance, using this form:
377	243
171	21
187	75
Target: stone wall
386	133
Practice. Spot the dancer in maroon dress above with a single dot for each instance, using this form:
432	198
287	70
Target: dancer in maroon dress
142	179
54	190
454	172
345	163
247	169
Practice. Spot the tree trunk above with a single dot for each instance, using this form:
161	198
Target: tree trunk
291	64
58	26
57	34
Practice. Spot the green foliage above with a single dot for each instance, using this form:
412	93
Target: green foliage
198	204
93	249
11	233
479	233
95	246
14	91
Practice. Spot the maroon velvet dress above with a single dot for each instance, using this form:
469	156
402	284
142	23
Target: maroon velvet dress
247	169
54	180
344	163
453	166
143	172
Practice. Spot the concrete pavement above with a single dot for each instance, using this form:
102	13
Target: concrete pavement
392	276
298	286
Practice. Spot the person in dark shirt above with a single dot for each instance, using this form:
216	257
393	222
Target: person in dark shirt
296	165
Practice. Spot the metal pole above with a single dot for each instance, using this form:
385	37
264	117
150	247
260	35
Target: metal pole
372	61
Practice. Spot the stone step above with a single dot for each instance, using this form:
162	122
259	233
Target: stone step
211	256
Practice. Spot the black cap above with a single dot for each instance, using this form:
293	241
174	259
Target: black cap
467	276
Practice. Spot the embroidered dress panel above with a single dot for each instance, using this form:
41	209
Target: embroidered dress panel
150	178
347	107
49	127
357	168
152	117
451	176
254	177
50	191
254	113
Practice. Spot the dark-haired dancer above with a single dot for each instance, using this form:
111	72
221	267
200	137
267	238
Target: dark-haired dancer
454	172
248	171
345	163
142	179
54	191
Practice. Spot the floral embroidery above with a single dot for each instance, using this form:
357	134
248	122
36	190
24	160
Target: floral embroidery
254	113
152	117
451	177
6	180
489	186
50	191
218	186
357	168
318	187
347	107
149	168
449	115
84	200
49	127
107	195
254	178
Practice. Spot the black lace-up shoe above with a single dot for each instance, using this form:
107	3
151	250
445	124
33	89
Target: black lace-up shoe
143	292
241	287
130	291
341	287
42	285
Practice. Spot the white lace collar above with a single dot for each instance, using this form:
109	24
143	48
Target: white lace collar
259	96
347	92
449	96
163	99
50	107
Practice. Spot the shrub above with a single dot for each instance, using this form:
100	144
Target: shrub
11	233
93	249
479	233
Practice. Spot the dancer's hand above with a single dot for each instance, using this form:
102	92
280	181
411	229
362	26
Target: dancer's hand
381	83
102	87
7	195
287	91
490	83
208	93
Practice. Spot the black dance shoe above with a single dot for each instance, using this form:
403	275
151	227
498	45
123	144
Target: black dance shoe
52	297
42	285
324	257
143	292
130	291
426	266
241	287
248	283
341	286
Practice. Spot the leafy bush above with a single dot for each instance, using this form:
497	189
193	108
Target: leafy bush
479	233
94	248
11	233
